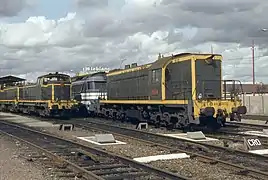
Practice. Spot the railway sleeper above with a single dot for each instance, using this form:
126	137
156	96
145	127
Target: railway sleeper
114	171
131	175
105	166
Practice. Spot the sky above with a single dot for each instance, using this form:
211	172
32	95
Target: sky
41	36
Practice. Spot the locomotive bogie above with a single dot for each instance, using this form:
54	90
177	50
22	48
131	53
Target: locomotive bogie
169	114
158	114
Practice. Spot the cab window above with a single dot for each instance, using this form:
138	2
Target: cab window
156	75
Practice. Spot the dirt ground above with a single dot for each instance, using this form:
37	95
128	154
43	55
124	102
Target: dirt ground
14	167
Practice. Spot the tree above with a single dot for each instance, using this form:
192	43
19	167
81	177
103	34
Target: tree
260	88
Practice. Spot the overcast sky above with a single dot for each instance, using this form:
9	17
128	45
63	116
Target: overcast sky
39	36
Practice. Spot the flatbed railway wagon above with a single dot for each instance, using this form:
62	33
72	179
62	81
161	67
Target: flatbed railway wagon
50	96
179	91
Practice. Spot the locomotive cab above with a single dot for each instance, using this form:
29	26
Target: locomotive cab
198	79
54	79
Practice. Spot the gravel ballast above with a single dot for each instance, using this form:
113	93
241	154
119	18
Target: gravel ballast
14	167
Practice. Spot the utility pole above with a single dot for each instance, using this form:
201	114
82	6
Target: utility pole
253	62
253	67
211	49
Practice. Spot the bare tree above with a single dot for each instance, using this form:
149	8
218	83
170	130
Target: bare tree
260	88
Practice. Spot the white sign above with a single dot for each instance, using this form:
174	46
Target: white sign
90	69
252	143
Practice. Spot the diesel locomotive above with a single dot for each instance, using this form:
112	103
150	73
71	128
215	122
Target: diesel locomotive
87	90
50	96
179	91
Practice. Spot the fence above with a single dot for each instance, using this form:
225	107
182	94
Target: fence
256	105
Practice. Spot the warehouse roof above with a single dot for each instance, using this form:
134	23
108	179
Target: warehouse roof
10	79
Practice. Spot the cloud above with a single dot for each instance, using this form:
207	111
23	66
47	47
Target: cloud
92	3
224	21
136	31
13	7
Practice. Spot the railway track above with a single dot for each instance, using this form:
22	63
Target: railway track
242	161
246	126
236	137
256	117
85	162
232	129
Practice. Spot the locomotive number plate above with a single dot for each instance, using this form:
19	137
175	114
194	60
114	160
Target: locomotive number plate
154	92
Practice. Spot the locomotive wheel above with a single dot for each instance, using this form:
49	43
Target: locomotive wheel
221	120
157	123
170	126
235	117
92	114
107	115
82	112
114	116
242	110
123	118
64	115
213	125
231	115
209	111
188	128
239	117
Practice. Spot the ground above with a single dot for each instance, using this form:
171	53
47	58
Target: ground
15	167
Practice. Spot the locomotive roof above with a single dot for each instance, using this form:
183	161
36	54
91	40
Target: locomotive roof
53	75
159	63
163	60
83	77
10	79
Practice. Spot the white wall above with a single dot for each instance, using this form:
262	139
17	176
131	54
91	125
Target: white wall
256	105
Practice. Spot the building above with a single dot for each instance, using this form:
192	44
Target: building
248	89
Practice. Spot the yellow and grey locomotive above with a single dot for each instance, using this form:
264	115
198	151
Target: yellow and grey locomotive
49	96
182	90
